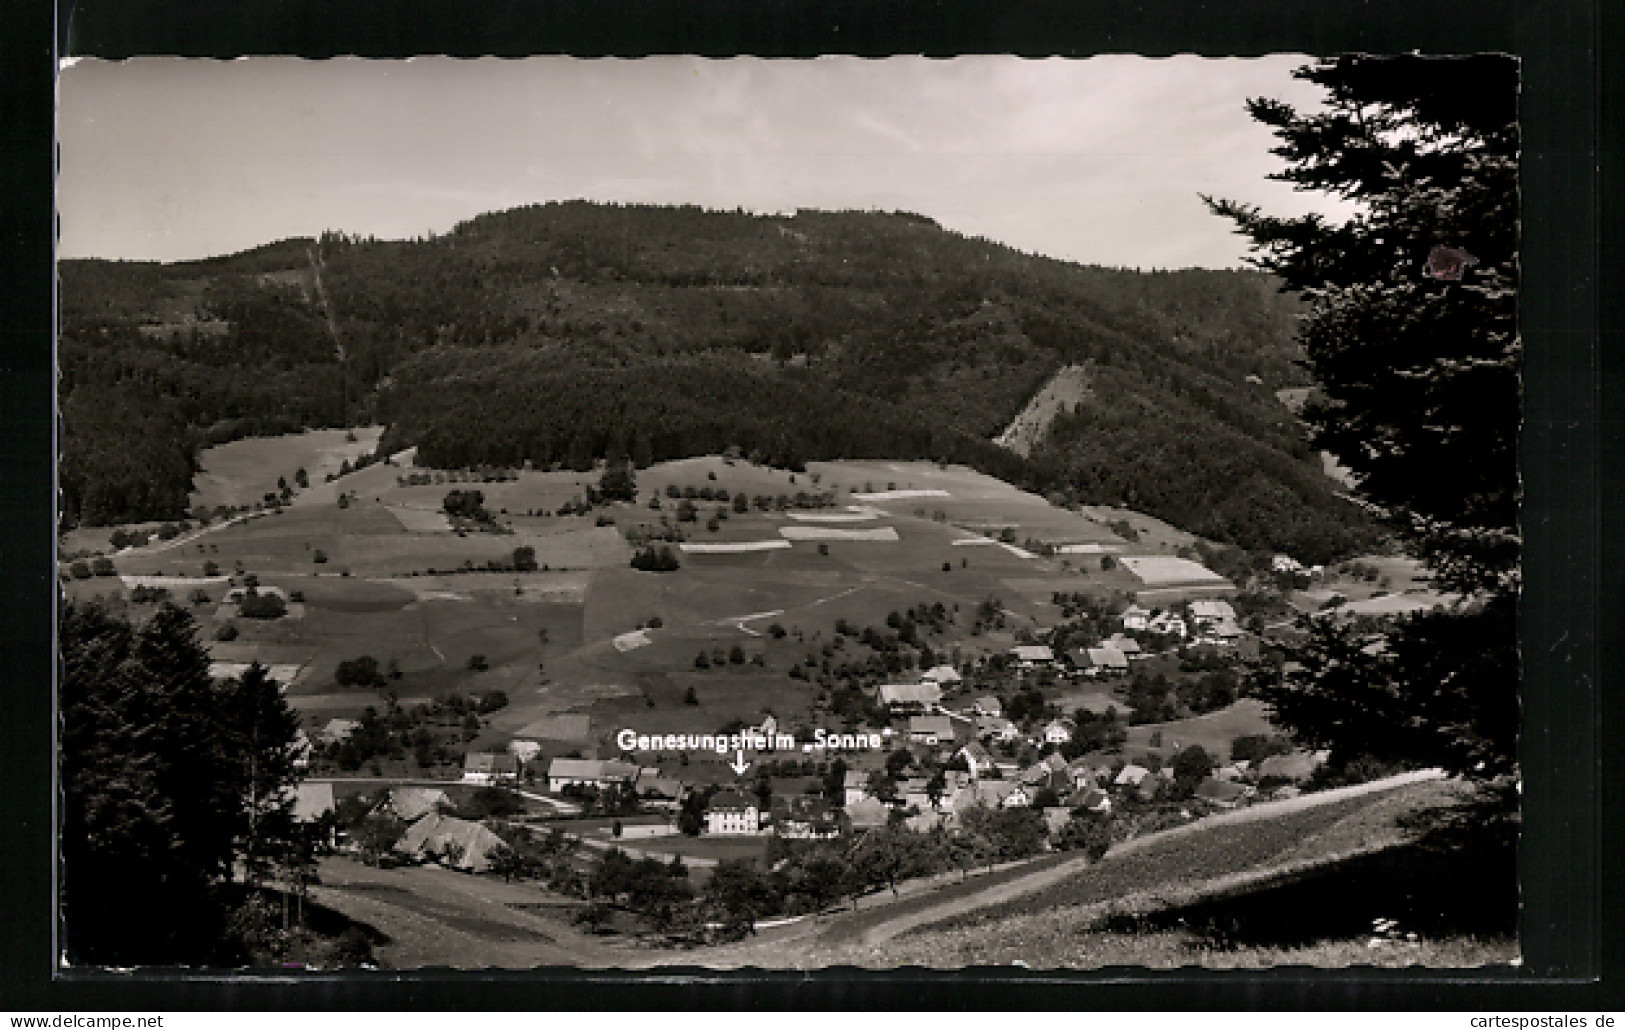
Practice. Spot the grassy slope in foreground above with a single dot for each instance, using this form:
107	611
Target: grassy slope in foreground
1061	926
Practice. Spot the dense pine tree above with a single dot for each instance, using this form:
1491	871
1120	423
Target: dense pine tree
168	780
1412	338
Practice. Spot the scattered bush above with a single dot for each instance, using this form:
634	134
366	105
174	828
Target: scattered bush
256	605
655	559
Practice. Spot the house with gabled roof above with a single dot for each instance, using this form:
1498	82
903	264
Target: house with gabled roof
978	760
489	767
1106	661
909	698
942	675
1136	618
1060	731
337	731
1131	775
409	804
987	705
588	772
1032	655
1221	793
804	818
1169	625
1128	645
997	728
1093	800
1081	774
1020	796
732	814
311	801
931	729
452	842
855	786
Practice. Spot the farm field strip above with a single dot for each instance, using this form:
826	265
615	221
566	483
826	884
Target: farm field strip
1156	570
885	534
740	547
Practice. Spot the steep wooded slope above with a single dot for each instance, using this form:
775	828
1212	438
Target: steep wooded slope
562	332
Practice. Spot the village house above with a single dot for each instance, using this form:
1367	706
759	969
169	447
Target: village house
912	793
1030	656
731	813
337	731
312	801
996	728
855	786
942	675
487	767
978	760
987	704
1131	775
409	804
1128	645
1209	612
451	842
1094	800
982	793
657	790
1060	731
931	730
804	818
587	772
1106	661
909	698
1019	796
1285	563
1221	793
1136	618
1168	624
1083	776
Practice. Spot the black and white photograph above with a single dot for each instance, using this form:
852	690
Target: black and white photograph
789	514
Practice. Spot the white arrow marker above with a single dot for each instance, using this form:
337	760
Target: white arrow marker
739	765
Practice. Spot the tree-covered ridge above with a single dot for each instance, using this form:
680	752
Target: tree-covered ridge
563	332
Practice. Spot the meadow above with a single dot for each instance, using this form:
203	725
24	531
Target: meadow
372	566
244	471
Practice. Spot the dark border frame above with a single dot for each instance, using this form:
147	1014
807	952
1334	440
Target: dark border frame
1573	453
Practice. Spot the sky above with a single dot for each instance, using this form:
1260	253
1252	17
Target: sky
1098	161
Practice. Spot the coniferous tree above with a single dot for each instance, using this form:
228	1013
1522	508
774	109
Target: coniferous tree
168	780
1412	338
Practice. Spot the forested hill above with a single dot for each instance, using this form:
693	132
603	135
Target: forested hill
567	331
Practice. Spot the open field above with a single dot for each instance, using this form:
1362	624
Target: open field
1213	731
592	635
243	471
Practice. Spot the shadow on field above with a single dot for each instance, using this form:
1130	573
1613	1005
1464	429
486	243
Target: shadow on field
1458	878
